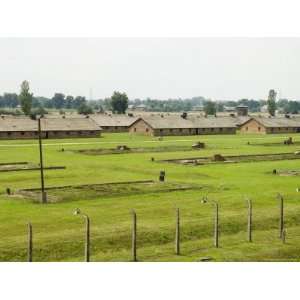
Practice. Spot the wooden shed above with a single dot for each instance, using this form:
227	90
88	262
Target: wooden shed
113	123
271	125
26	128
178	125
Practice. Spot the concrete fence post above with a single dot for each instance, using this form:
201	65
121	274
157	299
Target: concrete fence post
87	239
29	247
249	225
216	242
283	238
281	215
177	233
134	229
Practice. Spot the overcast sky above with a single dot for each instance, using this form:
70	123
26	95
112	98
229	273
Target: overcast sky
216	68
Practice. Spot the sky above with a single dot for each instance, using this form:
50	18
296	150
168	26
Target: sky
160	68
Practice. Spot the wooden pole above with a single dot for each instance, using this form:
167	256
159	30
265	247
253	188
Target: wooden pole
29	251
281	217
134	256
87	239
216	242
177	233
249	226
283	236
44	197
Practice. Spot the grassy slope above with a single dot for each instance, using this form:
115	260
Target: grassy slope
58	235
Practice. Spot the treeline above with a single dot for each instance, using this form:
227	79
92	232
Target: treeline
58	101
119	103
211	107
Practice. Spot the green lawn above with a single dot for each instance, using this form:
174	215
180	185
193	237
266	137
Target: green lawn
59	235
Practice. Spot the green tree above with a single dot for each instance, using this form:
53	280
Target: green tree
25	97
58	100
85	109
78	101
119	102
210	108
69	101
272	102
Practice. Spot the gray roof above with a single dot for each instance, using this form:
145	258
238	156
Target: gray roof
240	120
63	124
176	122
113	120
53	124
277	121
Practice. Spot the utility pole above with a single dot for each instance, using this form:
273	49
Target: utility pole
249	226
216	224
281	216
177	233
87	239
133	240
44	195
29	248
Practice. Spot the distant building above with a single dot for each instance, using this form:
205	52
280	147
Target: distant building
113	122
198	108
140	107
242	110
176	125
229	108
269	125
26	128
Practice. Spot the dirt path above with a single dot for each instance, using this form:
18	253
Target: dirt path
134	141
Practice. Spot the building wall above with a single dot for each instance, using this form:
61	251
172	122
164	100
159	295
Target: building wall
50	134
6	135
72	134
113	129
221	130
141	127
252	127
281	130
174	131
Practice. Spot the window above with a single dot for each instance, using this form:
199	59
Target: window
259	128
147	129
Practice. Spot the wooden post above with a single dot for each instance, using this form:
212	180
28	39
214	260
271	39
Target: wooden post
177	233
44	196
249	226
134	256
281	217
87	239
216	242
29	249
283	236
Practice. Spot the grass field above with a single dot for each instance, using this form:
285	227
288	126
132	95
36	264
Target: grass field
59	235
